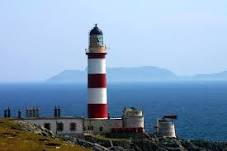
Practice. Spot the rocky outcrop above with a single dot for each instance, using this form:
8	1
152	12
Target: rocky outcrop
37	129
152	143
134	143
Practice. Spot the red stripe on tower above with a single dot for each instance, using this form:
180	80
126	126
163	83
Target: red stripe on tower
96	80
97	91
97	111
96	55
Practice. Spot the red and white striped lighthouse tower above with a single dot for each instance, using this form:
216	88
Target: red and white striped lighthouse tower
97	91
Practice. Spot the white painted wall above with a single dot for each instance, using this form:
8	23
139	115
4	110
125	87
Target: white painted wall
166	128
134	122
66	122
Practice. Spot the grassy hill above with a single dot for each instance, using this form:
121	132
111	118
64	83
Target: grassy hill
13	137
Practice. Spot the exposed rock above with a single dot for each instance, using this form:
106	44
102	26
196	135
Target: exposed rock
37	129
158	144
136	143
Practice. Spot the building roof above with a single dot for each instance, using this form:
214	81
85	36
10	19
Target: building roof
50	118
96	31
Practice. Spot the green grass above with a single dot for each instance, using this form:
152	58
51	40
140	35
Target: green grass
14	138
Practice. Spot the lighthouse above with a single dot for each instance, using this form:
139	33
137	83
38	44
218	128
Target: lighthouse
97	85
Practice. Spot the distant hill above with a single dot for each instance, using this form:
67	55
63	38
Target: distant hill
214	77
135	74
69	76
140	74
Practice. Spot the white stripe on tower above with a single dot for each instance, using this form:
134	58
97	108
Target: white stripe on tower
97	96
96	66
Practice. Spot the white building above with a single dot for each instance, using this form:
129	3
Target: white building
132	121
62	125
165	126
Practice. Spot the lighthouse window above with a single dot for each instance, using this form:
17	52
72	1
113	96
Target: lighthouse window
72	126
100	40
47	126
90	127
101	129
60	127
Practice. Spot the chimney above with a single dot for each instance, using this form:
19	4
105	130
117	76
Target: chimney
5	113
55	111
33	112
8	113
37	112
26	112
30	112
108	115
59	111
19	114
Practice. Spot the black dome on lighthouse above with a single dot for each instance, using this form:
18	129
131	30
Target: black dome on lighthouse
96	31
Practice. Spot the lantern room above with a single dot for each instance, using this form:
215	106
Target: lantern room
96	44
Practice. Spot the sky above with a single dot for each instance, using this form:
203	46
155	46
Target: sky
39	39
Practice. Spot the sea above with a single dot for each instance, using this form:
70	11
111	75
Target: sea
201	107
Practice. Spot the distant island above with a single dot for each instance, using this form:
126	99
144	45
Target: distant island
136	74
